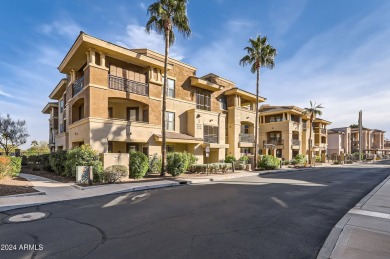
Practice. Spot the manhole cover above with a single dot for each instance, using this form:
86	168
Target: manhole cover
25	217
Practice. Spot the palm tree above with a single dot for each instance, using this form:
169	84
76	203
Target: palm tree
259	54
164	16
313	111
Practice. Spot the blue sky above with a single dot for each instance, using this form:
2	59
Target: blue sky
332	52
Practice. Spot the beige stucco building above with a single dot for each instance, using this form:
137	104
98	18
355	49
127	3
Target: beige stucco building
339	141
111	99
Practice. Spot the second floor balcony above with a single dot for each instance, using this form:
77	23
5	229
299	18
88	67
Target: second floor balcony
212	138
275	142
248	138
127	85
77	86
295	142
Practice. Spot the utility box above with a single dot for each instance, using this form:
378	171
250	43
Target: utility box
84	175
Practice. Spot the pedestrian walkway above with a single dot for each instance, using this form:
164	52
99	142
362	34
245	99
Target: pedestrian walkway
364	232
53	191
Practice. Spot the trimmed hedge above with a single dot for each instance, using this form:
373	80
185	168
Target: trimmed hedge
57	162
139	164
177	163
16	166
114	173
210	168
10	166
268	162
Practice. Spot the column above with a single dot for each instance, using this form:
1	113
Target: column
92	56
102	59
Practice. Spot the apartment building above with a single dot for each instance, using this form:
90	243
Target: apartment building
111	99
52	109
283	131
339	141
320	146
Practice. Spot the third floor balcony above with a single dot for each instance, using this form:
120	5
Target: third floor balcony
248	138
127	85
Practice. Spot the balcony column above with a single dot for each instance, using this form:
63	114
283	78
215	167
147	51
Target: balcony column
88	57
92	56
72	75
102	59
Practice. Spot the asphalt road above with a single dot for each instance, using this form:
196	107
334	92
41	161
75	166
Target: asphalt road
285	215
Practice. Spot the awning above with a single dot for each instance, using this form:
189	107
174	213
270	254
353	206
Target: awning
174	137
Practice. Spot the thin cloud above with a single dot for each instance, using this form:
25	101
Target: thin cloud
66	28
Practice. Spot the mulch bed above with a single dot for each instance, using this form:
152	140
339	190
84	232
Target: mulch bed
16	185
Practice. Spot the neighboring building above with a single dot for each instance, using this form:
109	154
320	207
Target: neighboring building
52	109
283	131
320	138
111	99
346	140
339	141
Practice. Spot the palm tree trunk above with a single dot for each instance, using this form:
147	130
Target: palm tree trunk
164	105
257	115
310	140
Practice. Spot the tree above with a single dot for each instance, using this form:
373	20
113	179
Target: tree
34	143
41	146
259	54
312	111
164	16
12	133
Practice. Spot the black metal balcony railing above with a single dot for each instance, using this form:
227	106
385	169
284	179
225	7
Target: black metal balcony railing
78	85
273	142
126	85
295	142
249	138
210	138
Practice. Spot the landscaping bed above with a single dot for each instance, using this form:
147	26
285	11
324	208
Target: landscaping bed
15	185
49	175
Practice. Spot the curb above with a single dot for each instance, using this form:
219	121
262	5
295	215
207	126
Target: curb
23	194
333	237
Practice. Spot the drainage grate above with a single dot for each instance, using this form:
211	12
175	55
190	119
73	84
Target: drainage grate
26	217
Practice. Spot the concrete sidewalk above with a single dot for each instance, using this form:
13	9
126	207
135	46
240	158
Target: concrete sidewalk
53	191
364	232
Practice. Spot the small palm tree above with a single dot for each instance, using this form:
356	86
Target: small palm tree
259	54
164	16
312	111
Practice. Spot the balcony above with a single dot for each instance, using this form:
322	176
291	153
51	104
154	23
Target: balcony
210	138
323	131
275	142
77	86
295	142
127	85
249	138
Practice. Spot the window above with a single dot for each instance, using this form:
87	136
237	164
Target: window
170	149
170	121
170	87
210	134
223	102
203	99
109	146
110	112
81	111
245	129
275	136
132	113
245	150
61	127
278	153
275	118
61	105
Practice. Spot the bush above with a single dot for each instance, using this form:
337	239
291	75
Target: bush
213	167
57	162
44	162
300	159
285	162
15	166
177	163
268	162
336	162
349	162
191	159
114	173
139	164
244	160
230	159
155	165
5	166
318	159
83	156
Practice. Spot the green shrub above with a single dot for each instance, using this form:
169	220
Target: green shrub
139	164
44	162
318	159
83	156
210	168
268	162
285	162
244	160
349	162
15	166
191	159
300	159
155	165
230	159
336	162
293	162
177	163
24	160
114	173
57	162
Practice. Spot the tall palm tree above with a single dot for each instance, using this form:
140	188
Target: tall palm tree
164	16
259	54
312	111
